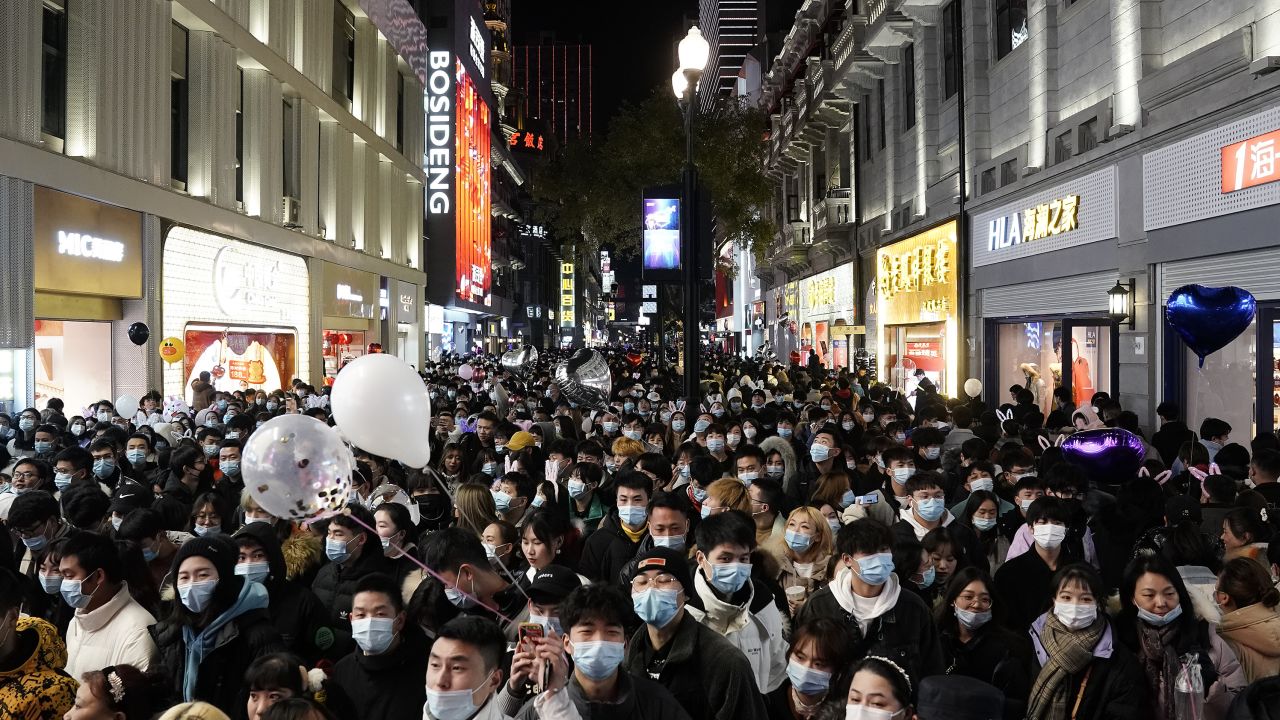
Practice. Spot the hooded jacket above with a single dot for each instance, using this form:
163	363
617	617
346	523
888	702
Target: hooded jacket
790	469
1253	632
295	610
335	586
638	697
37	687
750	622
608	550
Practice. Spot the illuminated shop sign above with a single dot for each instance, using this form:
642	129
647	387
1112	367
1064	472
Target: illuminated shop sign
439	106
478	55
567	298
525	140
473	222
1250	163
1035	223
87	246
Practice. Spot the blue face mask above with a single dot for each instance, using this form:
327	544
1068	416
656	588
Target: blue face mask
784	432
222	406
337	550
230	467
729	578
806	680
984	524
798	541
254	571
202	530
196	595
930	509
1155	620
599	659
149	554
271	406
706	511
927	577
819	452
136	457
37	543
373	635
43	447
632	515
62	480
51	584
875	569
847	498
501	500
490	469
73	595
209	450
104	467
715	445
700	426
675	542
677	425
655	606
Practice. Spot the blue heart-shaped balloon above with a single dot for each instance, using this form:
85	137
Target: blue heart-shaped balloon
1107	455
1207	318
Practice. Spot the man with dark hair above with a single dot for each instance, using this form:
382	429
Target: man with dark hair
866	597
620	533
1214	433
737	606
769	513
1173	431
35	520
382	677
748	464
464	672
31	686
109	627
590	451
708	676
822	456
354	552
28	474
471	585
1024	582
159	546
85	506
669	527
188	470
595	619
303	622
1264	470
72	465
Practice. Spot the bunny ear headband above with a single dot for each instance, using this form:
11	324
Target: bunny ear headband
1004	416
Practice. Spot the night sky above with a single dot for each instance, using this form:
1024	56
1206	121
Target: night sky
634	43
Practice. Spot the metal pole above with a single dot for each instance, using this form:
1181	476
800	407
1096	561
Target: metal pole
962	224
689	251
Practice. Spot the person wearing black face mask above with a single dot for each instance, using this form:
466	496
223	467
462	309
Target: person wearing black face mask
187	479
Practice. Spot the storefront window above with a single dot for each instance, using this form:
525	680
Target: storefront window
1224	388
1030	355
70	362
13	380
341	347
912	348
1090	362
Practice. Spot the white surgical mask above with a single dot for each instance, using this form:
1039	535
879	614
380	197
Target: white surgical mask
1074	616
1049	536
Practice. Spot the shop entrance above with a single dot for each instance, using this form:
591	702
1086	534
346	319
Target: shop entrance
912	348
1044	354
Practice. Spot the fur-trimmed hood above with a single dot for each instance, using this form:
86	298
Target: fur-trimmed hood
791	469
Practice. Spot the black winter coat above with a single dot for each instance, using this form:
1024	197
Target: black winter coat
221	678
709	677
607	551
390	686
335	586
994	655
1117	688
295	610
905	634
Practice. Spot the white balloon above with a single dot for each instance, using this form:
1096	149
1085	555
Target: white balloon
466	372
381	406
127	406
297	467
973	387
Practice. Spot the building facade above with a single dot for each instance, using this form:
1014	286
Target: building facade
555	85
732	28
1060	147
243	176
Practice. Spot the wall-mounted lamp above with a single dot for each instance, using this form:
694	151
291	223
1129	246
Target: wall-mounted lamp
1120	301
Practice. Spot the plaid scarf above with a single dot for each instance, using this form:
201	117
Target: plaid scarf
1069	652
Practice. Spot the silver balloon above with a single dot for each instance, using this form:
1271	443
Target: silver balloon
585	379
518	362
297	467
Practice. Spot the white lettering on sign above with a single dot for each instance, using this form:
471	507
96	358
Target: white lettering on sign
344	292
76	244
477	48
438	102
244	285
1036	223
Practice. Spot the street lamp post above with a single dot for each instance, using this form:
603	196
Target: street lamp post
693	52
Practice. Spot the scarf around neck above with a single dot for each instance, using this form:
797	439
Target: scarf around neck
1069	652
253	596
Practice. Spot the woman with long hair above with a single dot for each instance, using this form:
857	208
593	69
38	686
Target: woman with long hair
118	692
975	643
806	559
474	508
1250	622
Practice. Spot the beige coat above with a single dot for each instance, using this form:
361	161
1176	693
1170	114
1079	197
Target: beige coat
1253	632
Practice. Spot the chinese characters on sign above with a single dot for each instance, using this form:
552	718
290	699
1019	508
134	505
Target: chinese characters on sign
822	291
1036	223
916	268
525	140
1250	163
566	295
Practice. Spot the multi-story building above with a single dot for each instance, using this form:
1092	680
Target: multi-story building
243	177
961	183
732	28
554	80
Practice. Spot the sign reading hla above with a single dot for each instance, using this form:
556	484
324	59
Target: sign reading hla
1042	221
84	245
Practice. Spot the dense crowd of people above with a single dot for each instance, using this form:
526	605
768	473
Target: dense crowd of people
794	543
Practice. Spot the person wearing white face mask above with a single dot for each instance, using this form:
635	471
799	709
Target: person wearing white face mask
976	646
1158	623
1075	640
979	475
382	677
879	690
465	671
204	662
597	686
1023	582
